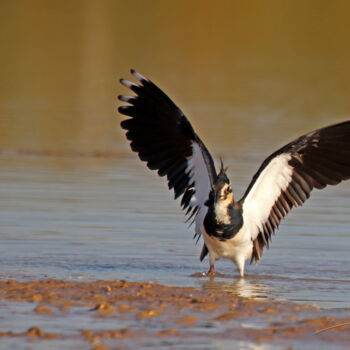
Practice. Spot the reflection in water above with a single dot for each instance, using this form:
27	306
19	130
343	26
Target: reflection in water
252	346
242	287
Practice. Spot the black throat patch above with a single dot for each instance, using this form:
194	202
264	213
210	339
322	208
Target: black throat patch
220	230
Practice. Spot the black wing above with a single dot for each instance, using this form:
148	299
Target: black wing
286	178
164	138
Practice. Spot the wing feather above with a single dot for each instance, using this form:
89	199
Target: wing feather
163	138
286	178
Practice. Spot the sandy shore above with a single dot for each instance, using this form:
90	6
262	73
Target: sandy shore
121	314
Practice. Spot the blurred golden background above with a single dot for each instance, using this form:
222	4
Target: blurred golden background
246	73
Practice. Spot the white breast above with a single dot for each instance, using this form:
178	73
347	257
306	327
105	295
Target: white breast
237	249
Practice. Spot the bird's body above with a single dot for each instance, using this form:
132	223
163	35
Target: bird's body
236	230
223	230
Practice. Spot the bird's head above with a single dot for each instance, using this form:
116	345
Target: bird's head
221	190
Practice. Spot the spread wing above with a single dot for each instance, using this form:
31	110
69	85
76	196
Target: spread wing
163	137
286	178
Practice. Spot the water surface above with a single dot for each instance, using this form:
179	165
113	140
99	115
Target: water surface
110	218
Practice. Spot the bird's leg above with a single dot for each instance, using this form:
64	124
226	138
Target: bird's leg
240	262
211	271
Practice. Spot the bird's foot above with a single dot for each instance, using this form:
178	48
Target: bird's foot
211	271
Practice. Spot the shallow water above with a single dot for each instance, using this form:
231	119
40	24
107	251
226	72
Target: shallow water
110	218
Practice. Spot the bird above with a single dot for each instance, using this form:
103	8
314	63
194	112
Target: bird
237	230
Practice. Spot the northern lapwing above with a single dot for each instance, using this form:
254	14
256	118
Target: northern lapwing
238	230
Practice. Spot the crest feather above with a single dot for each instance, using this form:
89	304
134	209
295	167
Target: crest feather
223	169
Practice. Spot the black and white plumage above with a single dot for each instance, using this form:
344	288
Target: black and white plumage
238	230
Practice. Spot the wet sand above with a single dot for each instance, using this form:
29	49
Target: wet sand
131	315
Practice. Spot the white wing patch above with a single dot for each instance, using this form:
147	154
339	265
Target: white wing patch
199	176
257	206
